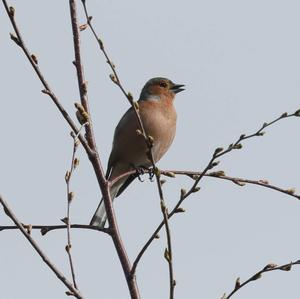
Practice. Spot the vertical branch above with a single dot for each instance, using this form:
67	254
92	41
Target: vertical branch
70	195
34	63
82	84
168	251
73	291
95	160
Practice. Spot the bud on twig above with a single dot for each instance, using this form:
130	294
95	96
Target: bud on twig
83	27
291	191
270	266
196	189
67	176
286	267
65	220
162	182
170	174
101	45
81	114
12	11
150	140
71	196
34	58
238	146
76	162
237	284
130	96
167	255
256	276
217	173
113	78
15	39
218	150
297	113
179	210
139	132
182	192
136	106
68	247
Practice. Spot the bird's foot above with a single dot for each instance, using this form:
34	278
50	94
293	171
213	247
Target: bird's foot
139	172
151	174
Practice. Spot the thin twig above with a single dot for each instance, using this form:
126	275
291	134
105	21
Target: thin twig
183	196
82	84
34	63
268	268
73	291
70	195
211	164
48	228
218	175
114	77
168	251
237	144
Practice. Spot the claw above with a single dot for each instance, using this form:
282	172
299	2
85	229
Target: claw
151	175
139	172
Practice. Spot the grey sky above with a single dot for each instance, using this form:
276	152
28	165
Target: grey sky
240	63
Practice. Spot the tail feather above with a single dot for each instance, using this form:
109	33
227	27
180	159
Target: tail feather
100	217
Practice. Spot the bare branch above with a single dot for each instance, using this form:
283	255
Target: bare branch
82	84
73	291
211	164
32	59
238	145
70	196
268	268
48	228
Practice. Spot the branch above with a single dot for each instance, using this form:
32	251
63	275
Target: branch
82	84
238	145
268	268
34	63
48	228
211	164
70	195
72	290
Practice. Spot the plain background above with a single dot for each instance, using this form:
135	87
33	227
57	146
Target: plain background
240	63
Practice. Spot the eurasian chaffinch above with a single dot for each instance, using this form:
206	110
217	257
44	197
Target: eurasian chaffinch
128	152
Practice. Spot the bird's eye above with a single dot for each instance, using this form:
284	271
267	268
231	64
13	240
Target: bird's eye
163	84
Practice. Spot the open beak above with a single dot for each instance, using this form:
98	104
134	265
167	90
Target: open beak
177	88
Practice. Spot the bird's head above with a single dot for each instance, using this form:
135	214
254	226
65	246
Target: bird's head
159	88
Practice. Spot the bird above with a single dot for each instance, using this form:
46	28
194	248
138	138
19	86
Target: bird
158	116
